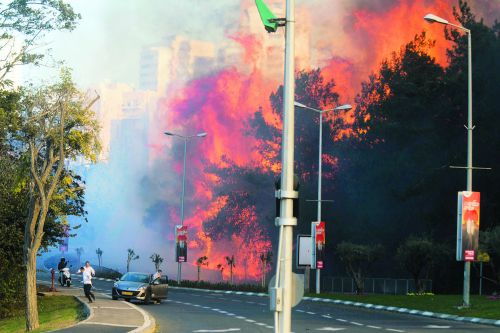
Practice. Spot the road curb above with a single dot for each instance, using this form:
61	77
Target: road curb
473	320
88	311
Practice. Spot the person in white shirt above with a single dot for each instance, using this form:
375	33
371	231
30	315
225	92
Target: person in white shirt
157	275
87	274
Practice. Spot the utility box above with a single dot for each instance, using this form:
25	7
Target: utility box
276	299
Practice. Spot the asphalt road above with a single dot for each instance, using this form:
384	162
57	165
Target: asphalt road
195	311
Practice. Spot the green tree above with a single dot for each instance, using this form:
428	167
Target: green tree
490	243
79	251
56	123
157	260
131	256
28	21
417	255
201	261
99	255
357	259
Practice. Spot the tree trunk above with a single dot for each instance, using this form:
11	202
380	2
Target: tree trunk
198	273
32	322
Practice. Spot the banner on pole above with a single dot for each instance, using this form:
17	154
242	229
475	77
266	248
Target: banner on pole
180	243
64	242
318	246
468	225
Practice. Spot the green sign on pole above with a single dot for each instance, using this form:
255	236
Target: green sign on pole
267	17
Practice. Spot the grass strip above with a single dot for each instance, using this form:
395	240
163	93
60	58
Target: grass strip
481	306
54	312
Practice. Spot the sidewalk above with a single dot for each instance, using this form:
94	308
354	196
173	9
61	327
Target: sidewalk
108	316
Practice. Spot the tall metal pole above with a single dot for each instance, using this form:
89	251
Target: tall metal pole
179	264
287	221
318	271
470	128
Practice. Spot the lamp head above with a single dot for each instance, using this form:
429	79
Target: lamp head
169	133
345	107
300	105
431	18
201	135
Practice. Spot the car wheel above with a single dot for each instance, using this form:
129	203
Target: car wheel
147	299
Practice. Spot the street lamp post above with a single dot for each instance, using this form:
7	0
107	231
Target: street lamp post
431	18
185	138
344	107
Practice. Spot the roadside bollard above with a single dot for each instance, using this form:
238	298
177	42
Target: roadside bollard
53	274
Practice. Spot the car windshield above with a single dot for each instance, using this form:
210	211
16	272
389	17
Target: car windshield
135	277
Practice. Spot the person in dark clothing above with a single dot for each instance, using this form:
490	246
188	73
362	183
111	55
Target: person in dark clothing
62	264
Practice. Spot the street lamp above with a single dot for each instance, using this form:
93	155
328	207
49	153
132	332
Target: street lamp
431	18
344	107
185	138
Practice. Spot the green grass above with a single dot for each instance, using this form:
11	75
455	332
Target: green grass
54	312
480	306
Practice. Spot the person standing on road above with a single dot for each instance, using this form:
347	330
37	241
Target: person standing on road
87	274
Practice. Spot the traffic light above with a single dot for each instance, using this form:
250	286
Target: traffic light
296	185
267	17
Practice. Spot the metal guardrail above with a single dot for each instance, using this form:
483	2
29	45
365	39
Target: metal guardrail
373	285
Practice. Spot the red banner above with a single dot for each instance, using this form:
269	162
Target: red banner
180	243
320	244
470	224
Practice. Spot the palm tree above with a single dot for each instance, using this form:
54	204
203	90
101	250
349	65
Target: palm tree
220	267
99	255
79	252
131	256
230	262
157	260
266	260
201	261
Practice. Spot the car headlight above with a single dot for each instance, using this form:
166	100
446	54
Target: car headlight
115	285
142	288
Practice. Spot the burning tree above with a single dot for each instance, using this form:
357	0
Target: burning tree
231	263
220	268
201	261
266	259
131	256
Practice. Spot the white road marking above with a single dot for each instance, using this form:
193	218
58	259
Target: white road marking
262	303
437	326
300	310
267	326
222	330
260	324
394	330
331	329
375	327
356	323
311	313
240	317
109	324
342	320
250	302
326	316
250	320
